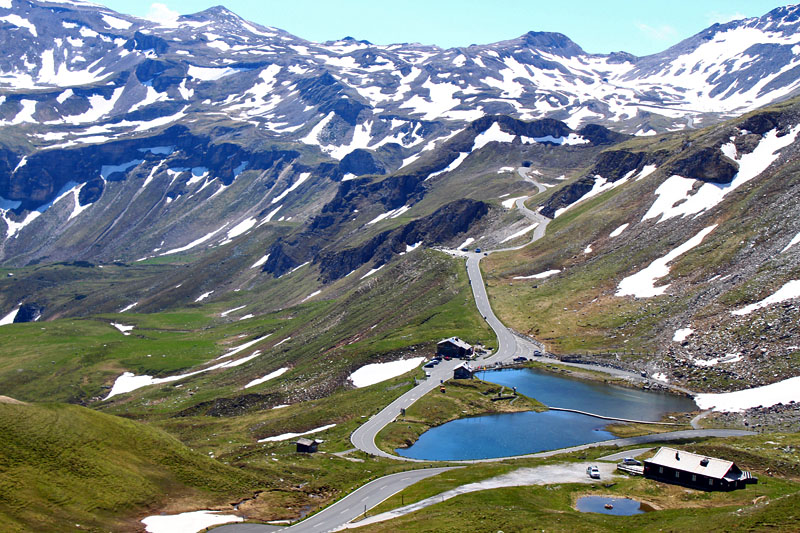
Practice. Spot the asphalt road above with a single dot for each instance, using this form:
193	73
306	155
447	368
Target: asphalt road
348	508
363	437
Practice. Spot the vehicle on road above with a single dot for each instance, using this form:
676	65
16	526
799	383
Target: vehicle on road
429	365
520	359
477	250
447	358
593	472
631	461
537	353
435	362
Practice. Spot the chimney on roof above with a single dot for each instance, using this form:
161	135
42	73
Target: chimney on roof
677	456
704	461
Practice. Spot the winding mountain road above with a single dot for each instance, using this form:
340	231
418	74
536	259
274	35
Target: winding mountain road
509	346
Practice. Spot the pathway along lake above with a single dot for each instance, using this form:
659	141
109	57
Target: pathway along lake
508	434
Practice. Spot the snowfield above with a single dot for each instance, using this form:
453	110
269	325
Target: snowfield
617	232
125	330
789	291
190	522
9	318
734	402
271	375
129	381
675	200
521	232
509	203
540	275
377	372
642	284
682	334
287	436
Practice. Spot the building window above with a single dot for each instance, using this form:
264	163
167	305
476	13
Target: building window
694	478
677	474
711	482
660	469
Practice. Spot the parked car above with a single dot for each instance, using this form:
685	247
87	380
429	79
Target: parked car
537	353
477	250
520	359
593	472
429	365
435	361
631	461
447	357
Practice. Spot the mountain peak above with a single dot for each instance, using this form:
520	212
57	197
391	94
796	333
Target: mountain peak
787	14
216	13
551	41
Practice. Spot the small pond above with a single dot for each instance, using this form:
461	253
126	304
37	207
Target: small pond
594	397
619	506
505	434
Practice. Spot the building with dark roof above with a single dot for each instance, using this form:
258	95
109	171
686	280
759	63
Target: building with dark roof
695	471
463	371
453	347
307	445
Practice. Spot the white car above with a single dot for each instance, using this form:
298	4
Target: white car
593	472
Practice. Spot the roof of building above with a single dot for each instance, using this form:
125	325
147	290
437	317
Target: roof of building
691	462
466	366
458	342
305	442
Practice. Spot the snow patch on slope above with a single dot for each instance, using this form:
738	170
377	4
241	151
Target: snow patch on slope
642	284
377	372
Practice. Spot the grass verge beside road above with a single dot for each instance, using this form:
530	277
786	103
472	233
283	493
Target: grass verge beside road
462	398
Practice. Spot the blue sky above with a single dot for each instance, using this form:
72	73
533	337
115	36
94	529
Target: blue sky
598	26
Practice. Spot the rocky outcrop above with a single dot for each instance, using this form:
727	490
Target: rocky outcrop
361	162
29	312
536	128
761	123
612	165
708	164
162	74
236	406
285	255
48	171
615	164
567	195
145	42
437	228
600	135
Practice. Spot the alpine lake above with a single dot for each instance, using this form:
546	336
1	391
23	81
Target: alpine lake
511	434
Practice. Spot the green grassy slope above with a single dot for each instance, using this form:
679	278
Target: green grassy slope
63	465
405	307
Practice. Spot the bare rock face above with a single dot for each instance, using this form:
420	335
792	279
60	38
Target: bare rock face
445	223
29	312
612	165
708	164
437	228
361	162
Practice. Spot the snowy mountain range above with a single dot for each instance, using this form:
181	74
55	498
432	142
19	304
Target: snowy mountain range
125	127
